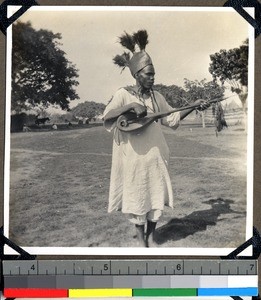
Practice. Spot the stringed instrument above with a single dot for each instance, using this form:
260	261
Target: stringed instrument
129	122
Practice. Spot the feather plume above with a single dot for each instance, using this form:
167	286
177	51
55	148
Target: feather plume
141	39
122	60
127	41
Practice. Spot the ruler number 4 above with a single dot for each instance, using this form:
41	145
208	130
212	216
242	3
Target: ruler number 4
32	267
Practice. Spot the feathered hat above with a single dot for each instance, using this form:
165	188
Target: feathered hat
140	59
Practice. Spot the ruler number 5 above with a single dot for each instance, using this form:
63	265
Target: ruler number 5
106	267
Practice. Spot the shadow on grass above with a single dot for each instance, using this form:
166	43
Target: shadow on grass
177	229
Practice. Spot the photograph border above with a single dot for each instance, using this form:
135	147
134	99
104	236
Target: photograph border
134	251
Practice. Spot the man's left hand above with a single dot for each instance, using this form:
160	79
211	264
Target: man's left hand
202	104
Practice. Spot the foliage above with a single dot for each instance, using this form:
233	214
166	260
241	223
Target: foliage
231	66
41	73
202	90
88	109
173	94
177	96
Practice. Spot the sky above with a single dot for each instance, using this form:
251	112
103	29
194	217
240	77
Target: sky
180	42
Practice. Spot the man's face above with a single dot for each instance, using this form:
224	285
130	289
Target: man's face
145	77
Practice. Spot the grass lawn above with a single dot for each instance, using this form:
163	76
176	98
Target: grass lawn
60	185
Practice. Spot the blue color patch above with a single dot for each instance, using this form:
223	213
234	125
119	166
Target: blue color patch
228	292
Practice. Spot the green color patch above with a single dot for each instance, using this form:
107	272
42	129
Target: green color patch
164	292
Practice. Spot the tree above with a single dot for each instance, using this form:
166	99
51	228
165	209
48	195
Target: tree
173	94
88	109
41	73
231	67
202	90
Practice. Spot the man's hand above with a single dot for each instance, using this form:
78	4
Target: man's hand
202	104
140	110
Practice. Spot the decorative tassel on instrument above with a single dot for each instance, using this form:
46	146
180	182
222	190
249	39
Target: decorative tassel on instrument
220	121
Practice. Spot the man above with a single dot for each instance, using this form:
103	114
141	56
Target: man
140	184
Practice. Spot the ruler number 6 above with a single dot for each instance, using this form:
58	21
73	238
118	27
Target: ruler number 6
179	267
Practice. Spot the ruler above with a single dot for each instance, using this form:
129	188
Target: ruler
129	278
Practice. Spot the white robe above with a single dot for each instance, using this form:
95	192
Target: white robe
140	180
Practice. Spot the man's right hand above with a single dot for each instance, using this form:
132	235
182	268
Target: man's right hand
140	110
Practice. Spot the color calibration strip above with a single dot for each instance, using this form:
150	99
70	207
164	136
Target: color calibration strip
155	292
127	278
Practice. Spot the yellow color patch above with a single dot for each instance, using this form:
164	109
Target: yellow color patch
81	293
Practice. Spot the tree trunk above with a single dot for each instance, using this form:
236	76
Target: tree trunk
203	119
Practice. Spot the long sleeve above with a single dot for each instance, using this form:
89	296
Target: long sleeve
117	101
